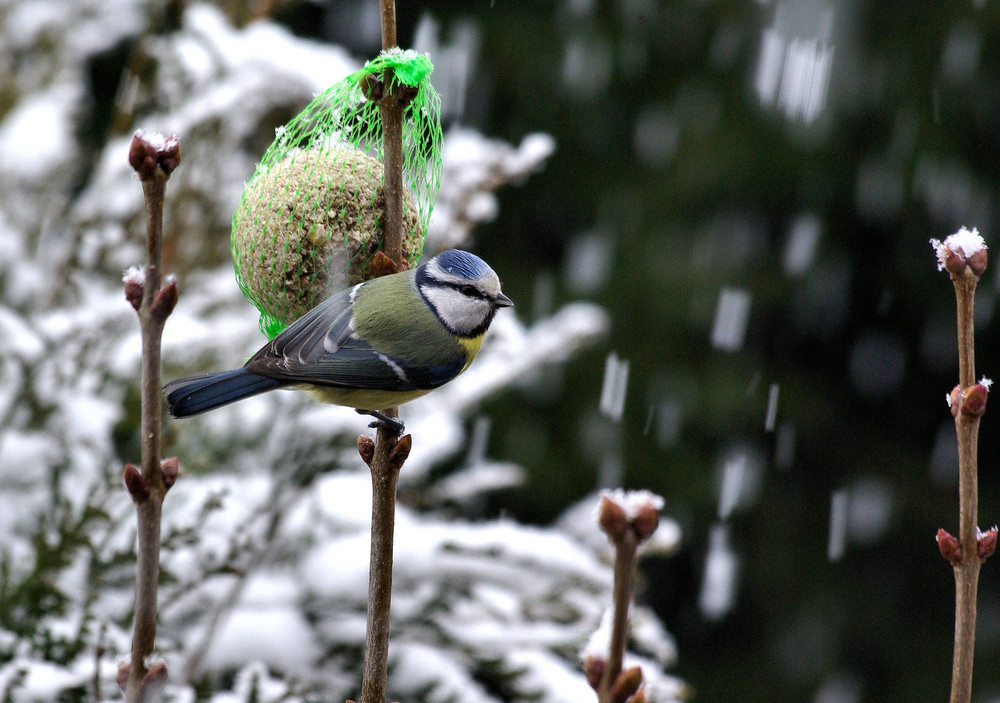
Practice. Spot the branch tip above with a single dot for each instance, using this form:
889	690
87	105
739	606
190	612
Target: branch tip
149	152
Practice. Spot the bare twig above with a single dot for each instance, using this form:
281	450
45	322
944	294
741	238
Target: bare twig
154	159
389	452
967	567
963	255
628	518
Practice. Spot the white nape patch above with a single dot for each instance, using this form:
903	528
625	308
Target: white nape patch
394	366
459	313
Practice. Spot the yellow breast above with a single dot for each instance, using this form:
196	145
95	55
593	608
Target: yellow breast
471	346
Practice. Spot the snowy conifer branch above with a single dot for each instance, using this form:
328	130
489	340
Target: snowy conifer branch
964	256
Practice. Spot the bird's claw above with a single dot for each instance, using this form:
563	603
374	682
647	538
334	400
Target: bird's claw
392	424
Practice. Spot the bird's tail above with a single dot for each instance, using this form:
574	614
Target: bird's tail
197	394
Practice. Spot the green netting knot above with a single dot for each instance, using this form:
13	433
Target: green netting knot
312	216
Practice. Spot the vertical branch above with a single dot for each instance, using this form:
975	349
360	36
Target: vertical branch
154	159
624	569
964	256
967	430
628	518
385	458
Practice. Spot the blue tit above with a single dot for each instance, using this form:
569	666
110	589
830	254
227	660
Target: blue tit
374	346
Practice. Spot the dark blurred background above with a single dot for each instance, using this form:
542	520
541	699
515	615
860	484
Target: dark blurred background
749	188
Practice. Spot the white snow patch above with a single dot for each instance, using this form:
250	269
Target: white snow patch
966	241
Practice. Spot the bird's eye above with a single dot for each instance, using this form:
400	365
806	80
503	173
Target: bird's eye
469	291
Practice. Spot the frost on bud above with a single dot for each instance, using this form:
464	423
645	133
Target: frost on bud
964	249
949	546
366	448
986	543
135	483
134	279
170	467
974	398
621	510
150	151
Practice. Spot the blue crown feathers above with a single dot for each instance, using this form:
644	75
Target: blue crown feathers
462	263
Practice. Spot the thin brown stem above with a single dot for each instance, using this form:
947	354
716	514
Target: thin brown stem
384	479
387	458
153	161
624	568
967	567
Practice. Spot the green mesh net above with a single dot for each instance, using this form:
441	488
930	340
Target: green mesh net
312	216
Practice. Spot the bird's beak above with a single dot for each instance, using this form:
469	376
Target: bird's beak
502	301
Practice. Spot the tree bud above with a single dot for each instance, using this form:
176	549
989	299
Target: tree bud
626	684
949	546
135	483
986	543
612	519
170	467
149	152
366	448
399	452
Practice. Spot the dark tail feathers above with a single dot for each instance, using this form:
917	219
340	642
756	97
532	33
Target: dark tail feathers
197	394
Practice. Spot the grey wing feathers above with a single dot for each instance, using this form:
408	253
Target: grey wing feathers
322	330
319	348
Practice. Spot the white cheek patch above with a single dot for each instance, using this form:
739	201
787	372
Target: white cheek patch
460	313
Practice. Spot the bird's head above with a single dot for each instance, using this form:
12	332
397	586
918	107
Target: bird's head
463	291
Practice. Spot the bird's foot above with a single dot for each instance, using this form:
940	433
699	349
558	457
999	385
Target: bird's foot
392	424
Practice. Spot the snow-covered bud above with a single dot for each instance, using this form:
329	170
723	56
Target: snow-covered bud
366	448
626	684
135	483
949	546
134	279
170	467
964	249
974	398
149	151
620	511
986	543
